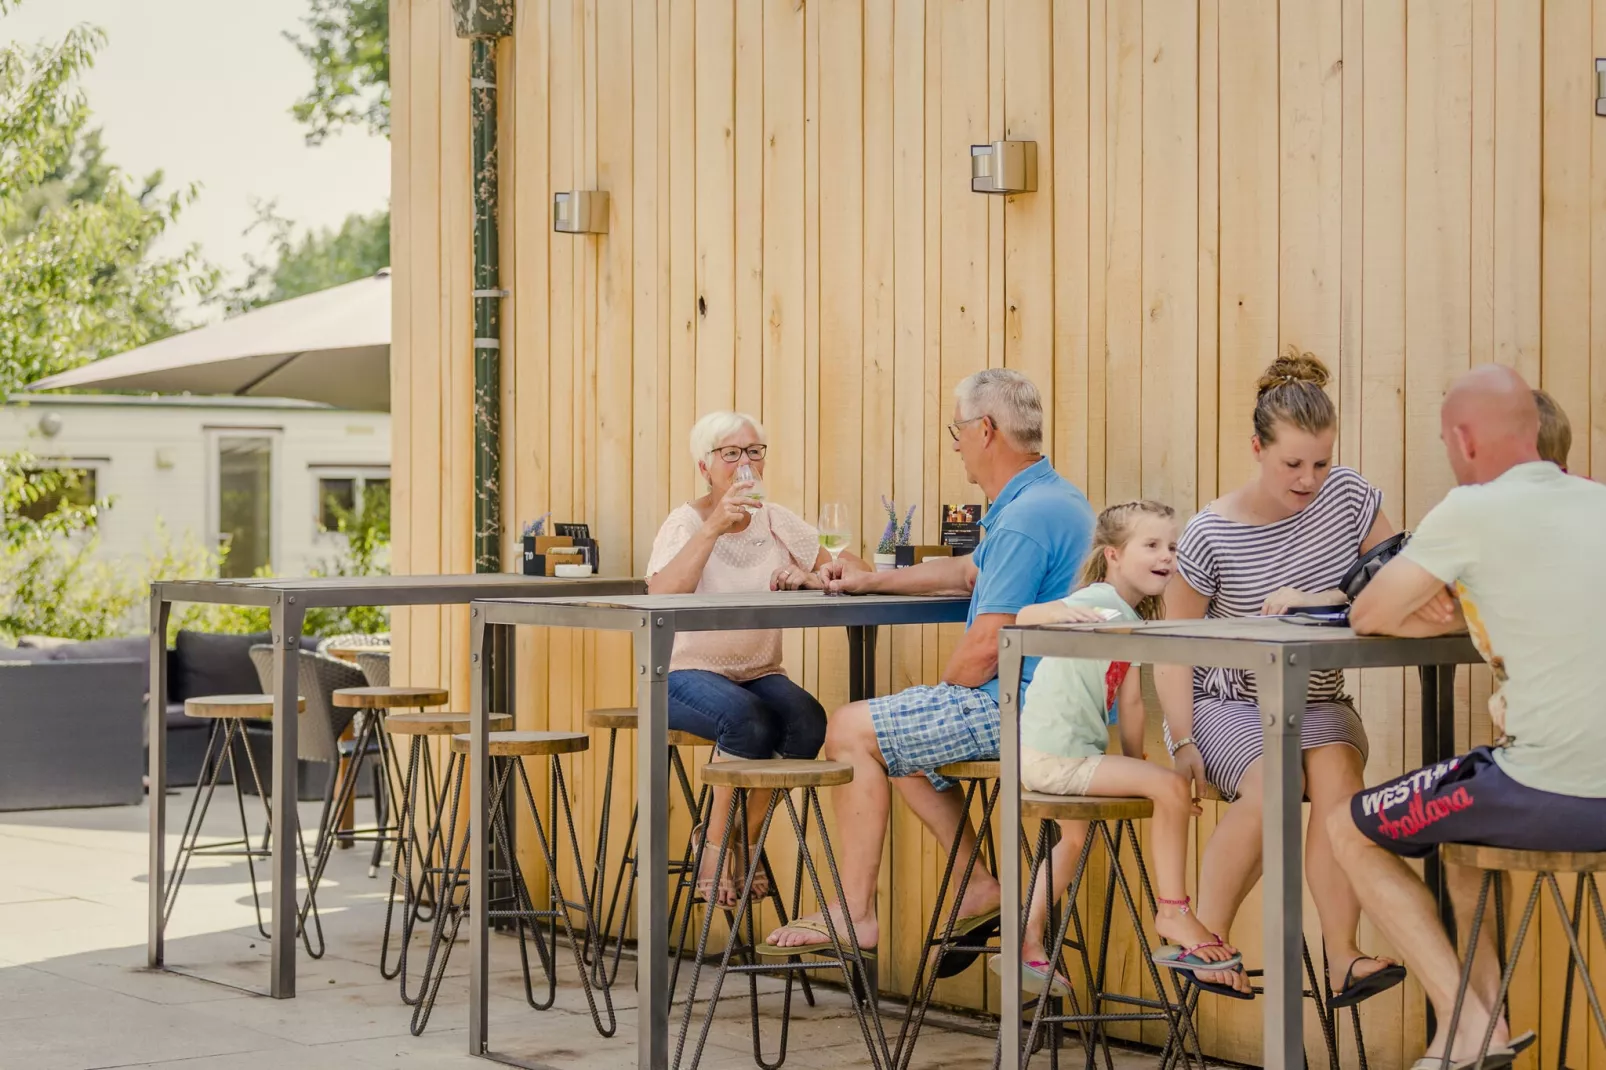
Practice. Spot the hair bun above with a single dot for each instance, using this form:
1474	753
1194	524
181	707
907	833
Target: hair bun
1293	367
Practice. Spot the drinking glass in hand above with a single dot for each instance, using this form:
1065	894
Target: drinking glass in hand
745	474
834	531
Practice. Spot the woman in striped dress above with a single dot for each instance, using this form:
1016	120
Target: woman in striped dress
1283	540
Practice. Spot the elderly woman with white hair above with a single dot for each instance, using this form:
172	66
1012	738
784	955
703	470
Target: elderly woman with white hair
729	686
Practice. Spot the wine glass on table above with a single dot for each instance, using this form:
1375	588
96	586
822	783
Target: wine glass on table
834	530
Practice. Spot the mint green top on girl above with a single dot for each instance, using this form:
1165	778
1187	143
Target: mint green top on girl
1067	709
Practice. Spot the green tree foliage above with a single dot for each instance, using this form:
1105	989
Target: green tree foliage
347	42
314	261
78	279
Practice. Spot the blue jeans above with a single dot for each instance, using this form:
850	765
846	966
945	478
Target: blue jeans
761	718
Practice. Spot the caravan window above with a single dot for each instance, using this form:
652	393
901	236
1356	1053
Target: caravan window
350	493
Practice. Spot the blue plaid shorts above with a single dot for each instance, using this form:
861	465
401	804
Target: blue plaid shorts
922	728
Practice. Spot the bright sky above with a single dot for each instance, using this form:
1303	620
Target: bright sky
202	89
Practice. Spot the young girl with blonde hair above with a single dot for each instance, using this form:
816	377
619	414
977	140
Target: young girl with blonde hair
1065	733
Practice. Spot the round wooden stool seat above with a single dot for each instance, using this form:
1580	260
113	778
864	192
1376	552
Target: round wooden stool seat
1036	806
384	698
624	718
439	724
525	744
1511	858
777	773
983	770
614	717
245	707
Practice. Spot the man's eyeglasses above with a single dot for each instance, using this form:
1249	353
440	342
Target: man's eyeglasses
953	429
732	454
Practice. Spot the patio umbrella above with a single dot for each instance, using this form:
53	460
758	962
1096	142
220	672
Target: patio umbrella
332	346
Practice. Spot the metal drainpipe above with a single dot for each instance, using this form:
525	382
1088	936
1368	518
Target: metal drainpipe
483	21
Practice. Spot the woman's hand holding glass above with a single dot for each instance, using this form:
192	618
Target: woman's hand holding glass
731	511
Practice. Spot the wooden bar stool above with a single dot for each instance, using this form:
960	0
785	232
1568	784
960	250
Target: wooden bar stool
623	719
781	777
1495	861
1100	814
419	893
951	951
508	751
229	714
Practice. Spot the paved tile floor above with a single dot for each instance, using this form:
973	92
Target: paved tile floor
75	993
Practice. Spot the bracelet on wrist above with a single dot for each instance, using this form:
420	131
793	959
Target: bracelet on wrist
1185	741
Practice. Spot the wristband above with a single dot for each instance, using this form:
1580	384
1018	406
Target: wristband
1185	741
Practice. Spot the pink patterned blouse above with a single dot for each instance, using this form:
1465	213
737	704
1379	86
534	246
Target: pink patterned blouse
741	561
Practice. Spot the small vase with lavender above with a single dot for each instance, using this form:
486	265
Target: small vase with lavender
894	535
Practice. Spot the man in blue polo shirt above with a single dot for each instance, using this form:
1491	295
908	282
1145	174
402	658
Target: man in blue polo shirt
1036	534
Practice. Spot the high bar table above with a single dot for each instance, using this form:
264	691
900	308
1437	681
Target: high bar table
1282	655
654	621
287	601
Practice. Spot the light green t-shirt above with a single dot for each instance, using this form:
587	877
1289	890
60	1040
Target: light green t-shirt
1524	553
1067	708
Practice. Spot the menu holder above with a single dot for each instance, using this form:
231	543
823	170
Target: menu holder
961	527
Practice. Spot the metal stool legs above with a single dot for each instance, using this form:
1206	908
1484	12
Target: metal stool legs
1572	924
225	737
855	965
386	775
1182	1040
938	946
606	967
508	775
417	890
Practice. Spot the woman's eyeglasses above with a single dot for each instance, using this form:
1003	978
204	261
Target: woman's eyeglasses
732	454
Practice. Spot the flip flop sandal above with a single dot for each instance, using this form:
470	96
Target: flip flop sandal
1173	957
1219	988
1522	1043
977	929
825	947
1355	991
1036	977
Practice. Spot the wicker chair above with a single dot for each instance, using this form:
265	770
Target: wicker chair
353	639
376	667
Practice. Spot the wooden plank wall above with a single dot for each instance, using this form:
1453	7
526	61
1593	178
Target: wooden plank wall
1405	187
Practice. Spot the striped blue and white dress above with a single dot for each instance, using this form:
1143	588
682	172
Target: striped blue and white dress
1237	567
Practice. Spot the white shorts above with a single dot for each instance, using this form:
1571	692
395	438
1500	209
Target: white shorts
1053	775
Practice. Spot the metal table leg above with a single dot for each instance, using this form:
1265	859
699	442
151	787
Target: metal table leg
861	661
654	639
156	775
1009	875
286	617
1438	744
1281	688
479	826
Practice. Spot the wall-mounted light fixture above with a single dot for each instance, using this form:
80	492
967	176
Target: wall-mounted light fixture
1600	87
581	211
1004	167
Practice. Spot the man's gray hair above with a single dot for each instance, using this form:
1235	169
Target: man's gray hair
1010	399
